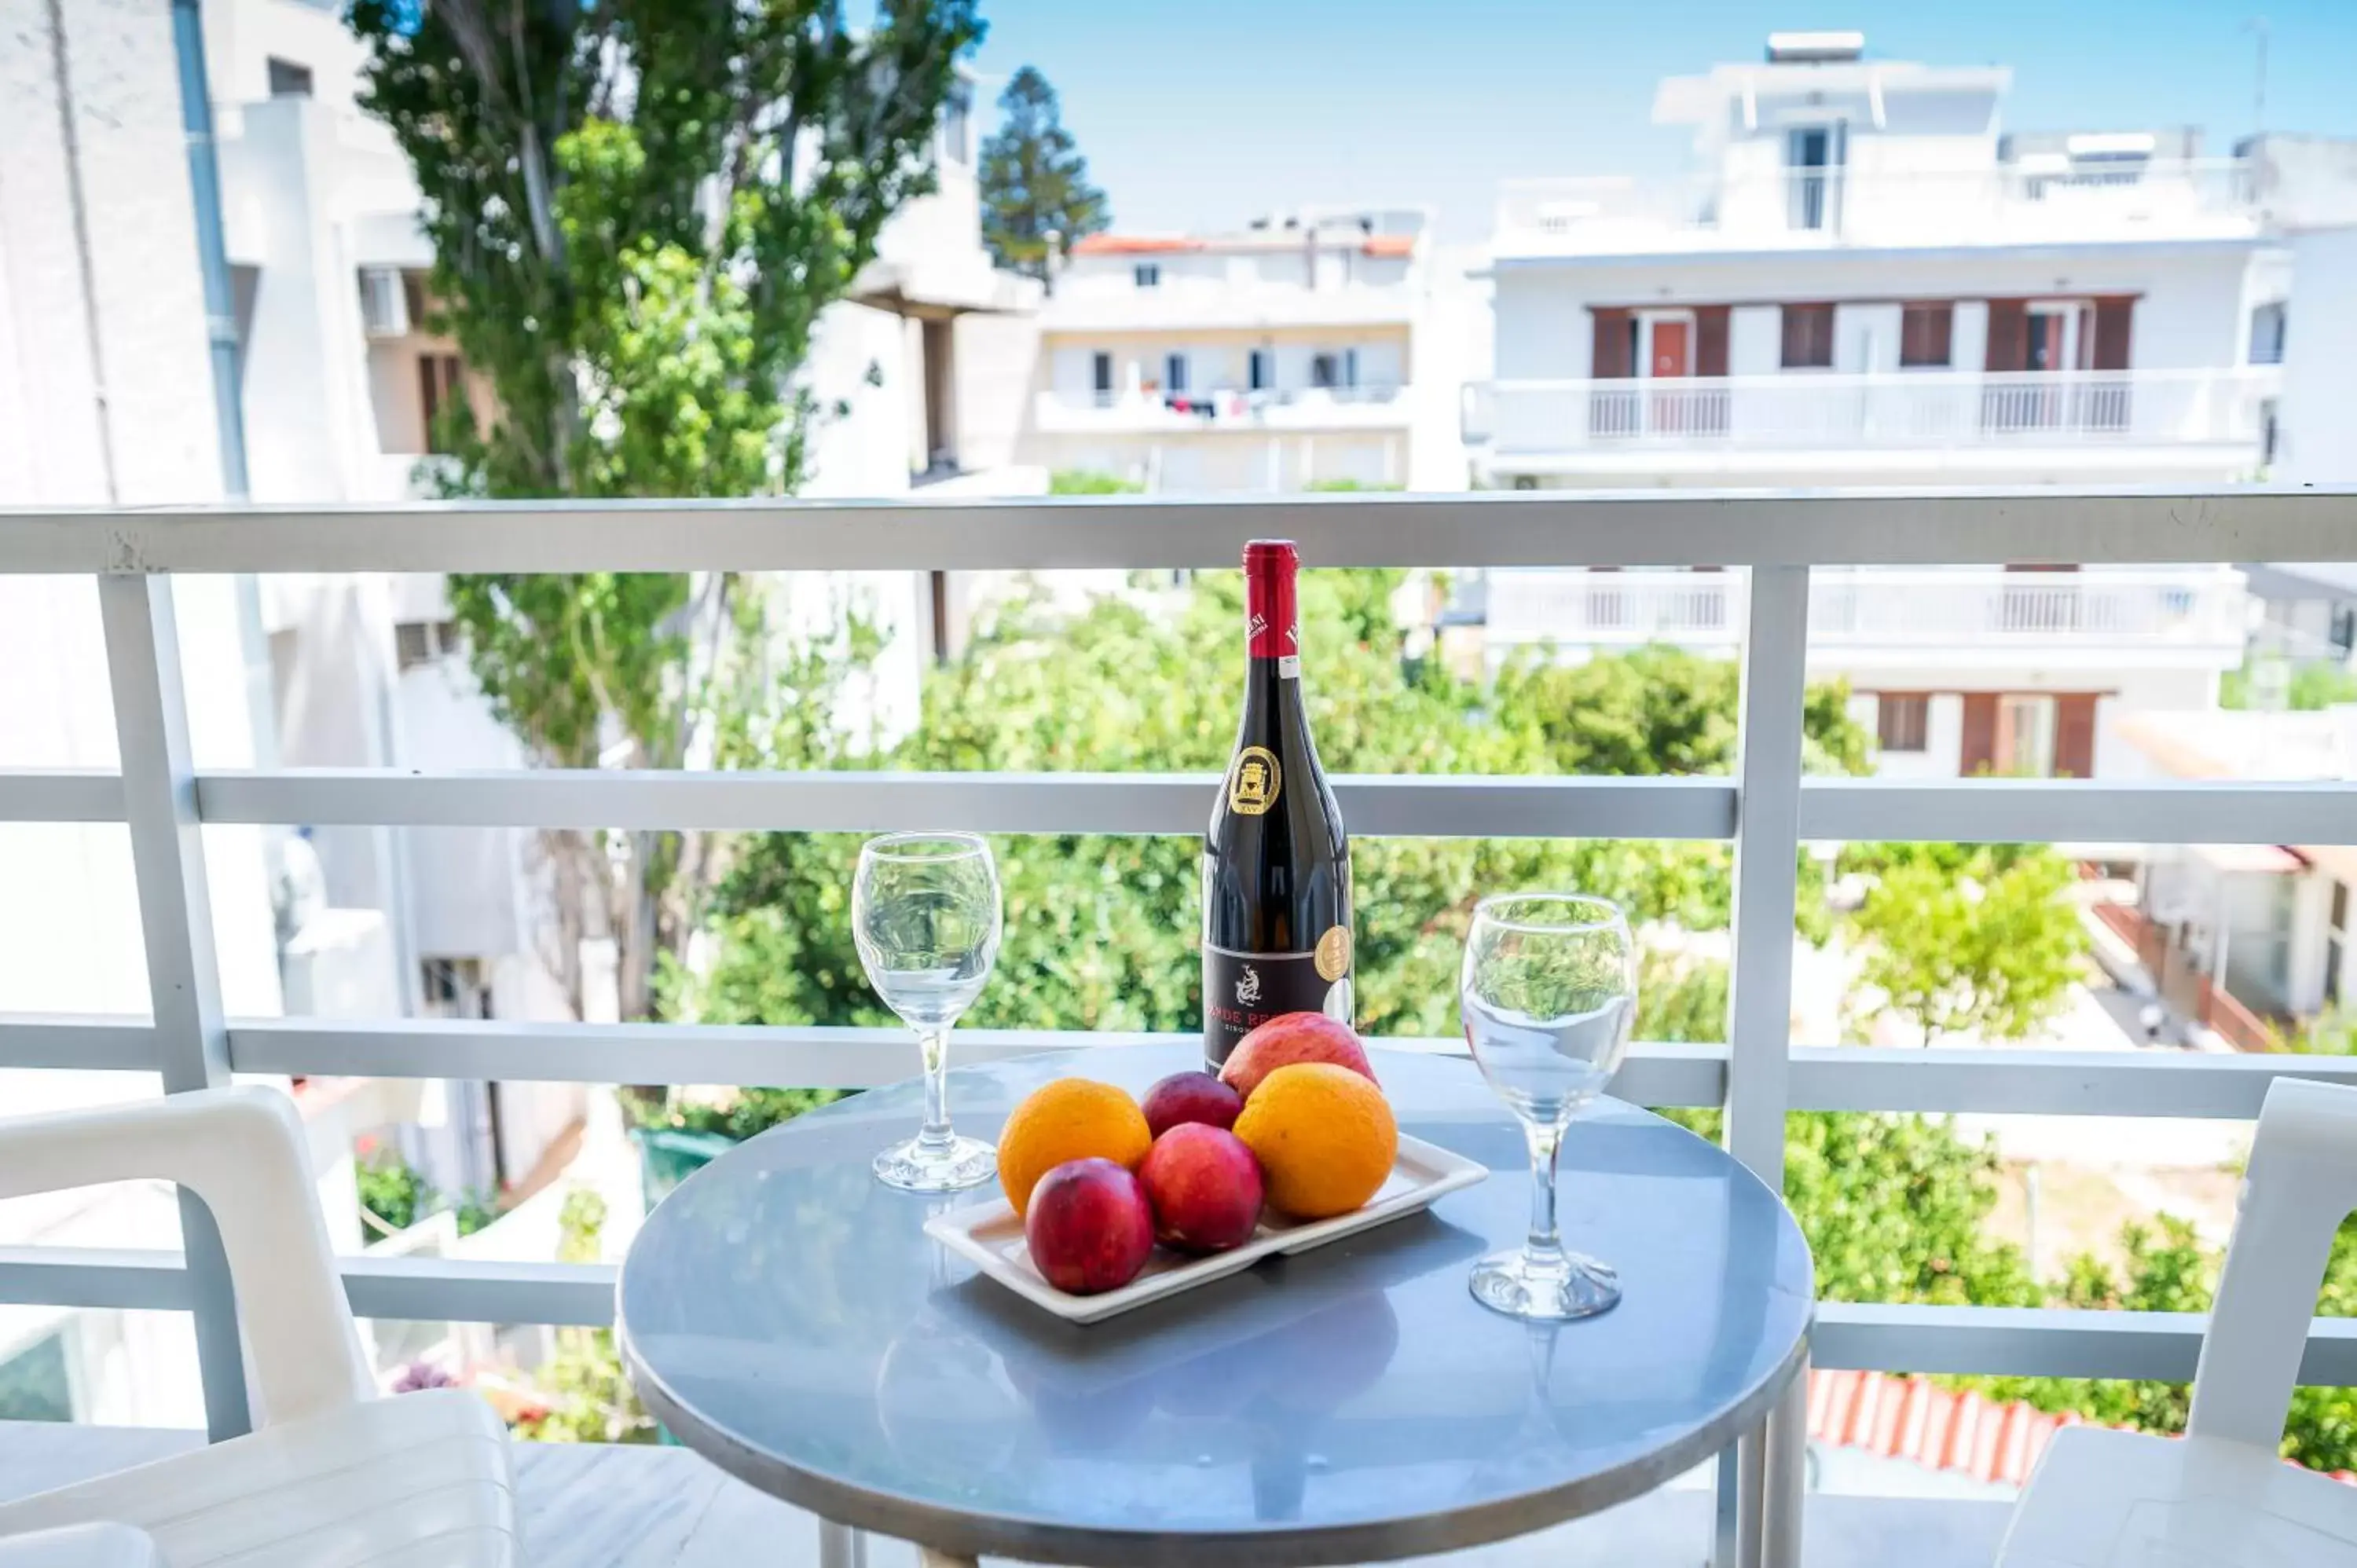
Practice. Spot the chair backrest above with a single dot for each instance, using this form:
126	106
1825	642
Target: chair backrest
242	1150
2302	1182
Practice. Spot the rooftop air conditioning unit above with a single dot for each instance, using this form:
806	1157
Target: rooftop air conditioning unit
385	303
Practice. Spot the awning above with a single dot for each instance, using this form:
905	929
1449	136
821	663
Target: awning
2259	859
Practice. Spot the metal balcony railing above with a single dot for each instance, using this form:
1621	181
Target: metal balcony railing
1765	809
1812	410
1859	202
2200	609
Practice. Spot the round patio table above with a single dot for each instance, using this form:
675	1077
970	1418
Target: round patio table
784	1315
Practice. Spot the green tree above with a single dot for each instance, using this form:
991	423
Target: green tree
1979	942
638	210
2307	685
1036	195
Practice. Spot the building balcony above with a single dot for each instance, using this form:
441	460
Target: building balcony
1807	582
1956	617
2026	202
2128	422
1382	406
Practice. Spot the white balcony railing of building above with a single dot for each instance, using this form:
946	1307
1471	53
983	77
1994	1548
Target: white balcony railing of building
1931	409
1371	405
1766	810
2198	610
1989	204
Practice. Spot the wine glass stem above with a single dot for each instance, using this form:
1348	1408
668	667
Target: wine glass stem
935	1045
1544	1250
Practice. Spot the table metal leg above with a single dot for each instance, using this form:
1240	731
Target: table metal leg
1770	1486
840	1546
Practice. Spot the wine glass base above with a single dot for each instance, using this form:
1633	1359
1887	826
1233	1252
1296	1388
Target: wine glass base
1520	1286
919	1166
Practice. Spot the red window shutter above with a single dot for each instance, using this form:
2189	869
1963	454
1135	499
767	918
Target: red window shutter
1926	330
2008	335
1979	750
2115	324
1610	358
2074	734
1710	340
1808	337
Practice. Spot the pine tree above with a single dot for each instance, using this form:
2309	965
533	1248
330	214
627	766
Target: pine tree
1036	195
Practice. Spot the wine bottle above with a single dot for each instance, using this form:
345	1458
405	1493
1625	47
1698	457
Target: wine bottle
1277	867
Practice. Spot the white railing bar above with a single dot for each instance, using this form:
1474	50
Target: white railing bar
176	928
1929	381
470	1290
2008	810
87	1042
1374	806
60	795
1860	811
2135	1083
1767	848
413	1289
1868	1337
2046	1342
1773	690
796	1056
1790	528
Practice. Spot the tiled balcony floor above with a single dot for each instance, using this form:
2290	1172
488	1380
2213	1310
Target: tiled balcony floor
591	1507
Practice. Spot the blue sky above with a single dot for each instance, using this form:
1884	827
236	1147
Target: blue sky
1205	112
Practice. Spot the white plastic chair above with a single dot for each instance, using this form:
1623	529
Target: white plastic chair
332	1476
2220	1497
83	1546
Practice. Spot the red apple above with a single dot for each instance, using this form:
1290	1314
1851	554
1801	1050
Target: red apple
1186	1097
1205	1187
1089	1226
1291	1037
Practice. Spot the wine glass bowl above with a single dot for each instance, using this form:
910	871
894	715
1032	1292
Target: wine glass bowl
925	915
1549	994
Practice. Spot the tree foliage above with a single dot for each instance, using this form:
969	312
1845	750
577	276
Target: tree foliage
1036	195
1101	932
638	210
1975	941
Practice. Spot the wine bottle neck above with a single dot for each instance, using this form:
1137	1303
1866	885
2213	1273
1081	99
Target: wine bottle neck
1271	617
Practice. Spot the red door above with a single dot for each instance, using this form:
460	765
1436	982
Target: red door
1672	358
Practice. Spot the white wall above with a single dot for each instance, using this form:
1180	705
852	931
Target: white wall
2318	409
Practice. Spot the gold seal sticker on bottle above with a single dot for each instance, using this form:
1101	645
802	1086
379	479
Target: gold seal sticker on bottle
1334	952
1253	782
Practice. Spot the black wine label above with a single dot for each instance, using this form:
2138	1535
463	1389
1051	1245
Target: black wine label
1243	991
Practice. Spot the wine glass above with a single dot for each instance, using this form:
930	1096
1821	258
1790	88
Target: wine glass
1549	993
925	913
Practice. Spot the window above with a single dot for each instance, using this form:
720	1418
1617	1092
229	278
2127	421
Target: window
2025	736
1323	370
438	389
1926	333
1813	159
37	1382
1350	366
288	79
1148	274
2267	323
1174	373
454	988
1902	721
1259	370
1808	337
417	642
1101	376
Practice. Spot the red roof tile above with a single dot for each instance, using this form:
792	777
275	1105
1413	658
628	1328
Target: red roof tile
1915	1419
1132	245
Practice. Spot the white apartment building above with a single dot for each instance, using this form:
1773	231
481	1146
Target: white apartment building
1299	351
1867	280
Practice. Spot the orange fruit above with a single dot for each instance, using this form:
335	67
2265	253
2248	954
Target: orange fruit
1070	1119
1325	1136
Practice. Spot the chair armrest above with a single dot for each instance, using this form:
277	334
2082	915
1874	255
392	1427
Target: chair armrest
242	1150
82	1546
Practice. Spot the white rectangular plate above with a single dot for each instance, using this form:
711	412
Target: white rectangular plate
990	1236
